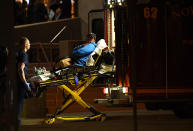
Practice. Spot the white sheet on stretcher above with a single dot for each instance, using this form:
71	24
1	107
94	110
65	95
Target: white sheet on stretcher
38	78
104	68
98	50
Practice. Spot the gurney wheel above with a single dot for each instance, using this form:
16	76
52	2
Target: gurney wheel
102	118
49	121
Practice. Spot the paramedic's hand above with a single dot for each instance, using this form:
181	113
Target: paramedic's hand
28	88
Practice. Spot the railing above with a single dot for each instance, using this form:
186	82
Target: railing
46	54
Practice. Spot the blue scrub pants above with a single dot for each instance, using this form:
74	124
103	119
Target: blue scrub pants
21	99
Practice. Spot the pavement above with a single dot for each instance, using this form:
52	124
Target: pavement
109	114
116	121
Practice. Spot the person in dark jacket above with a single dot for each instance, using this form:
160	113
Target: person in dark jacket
20	13
67	7
61	9
37	11
40	12
3	78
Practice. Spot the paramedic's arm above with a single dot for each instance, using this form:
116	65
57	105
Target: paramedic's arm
21	72
22	76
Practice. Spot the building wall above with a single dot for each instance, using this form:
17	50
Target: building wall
46	31
84	7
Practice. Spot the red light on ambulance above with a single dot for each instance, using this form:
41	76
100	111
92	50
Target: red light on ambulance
125	90
105	91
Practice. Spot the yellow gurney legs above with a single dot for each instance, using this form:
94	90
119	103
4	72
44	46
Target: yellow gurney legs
74	96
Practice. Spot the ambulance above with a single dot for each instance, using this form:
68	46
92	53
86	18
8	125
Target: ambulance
153	45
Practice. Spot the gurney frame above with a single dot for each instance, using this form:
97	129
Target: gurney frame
86	76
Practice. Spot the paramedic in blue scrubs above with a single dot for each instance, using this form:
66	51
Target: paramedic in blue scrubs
22	69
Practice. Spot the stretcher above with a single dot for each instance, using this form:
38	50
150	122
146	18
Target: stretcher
72	80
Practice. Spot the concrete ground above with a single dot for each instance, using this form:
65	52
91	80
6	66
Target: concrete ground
116	120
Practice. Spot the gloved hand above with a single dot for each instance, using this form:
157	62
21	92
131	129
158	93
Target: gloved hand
76	80
28	88
28	93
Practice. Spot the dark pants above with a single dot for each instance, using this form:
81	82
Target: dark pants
21	99
3	93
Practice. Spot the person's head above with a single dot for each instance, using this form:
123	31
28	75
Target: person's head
19	1
24	43
59	10
91	37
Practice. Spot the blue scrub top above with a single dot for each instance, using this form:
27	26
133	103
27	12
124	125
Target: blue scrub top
82	53
22	57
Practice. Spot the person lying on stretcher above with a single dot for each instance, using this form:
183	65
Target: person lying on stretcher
80	53
88	54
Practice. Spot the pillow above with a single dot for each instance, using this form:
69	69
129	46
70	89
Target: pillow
101	44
